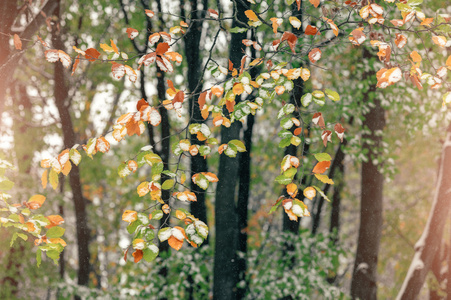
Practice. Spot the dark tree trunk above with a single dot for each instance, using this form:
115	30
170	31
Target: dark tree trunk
225	261
364	278
192	54
69	138
427	246
295	99
334	228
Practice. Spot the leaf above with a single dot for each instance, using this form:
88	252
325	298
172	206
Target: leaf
324	179
138	255
295	22
175	243
321	167
322	193
36	201
129	216
55	232
322	157
306	99
332	95
150	253
282	179
164	234
309	192
238	144
315	3
168	184
238	30
311	30
17	42
38	257
92	54
251	15
5	184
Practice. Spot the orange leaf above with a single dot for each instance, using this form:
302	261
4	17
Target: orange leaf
162	48
138	255
297	131
175	243
292	189
251	15
129	216
132	33
92	54
315	3
415	56
314	55
448	62
309	192
132	165
44	179
54	220
230	105
74	67
311	30
67	167
149	13
36	201
321	167
17	42
201	100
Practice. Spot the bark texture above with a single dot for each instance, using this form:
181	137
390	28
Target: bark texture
225	261
364	278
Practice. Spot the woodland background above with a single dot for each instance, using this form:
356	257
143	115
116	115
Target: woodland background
44	110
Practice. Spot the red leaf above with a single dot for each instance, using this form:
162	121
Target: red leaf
290	38
132	33
201	99
74	67
340	131
318	119
311	30
230	65
141	104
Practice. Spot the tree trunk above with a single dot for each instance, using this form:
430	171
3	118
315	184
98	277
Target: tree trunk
364	281
226	244
61	97
334	228
427	246
192	54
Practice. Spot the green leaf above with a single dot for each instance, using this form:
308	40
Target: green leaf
5	184
13	239
285	142
295	140
282	179
332	95
321	193
123	170
275	206
320	102
157	168
38	257
168	184
237	30
55	232
54	255
131	228
169	173
204	150
23	236
414	2
238	144
157	214
404	7
286	123
150	253
322	157
306	99
290	172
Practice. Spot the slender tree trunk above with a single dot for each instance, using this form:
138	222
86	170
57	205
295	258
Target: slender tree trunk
192	54
295	99
364	278
436	267
427	246
69	138
226	245
334	228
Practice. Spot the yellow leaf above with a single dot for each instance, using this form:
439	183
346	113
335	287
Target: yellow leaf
129	216
324	179
36	201
251	15
44	179
310	192
106	48
295	22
